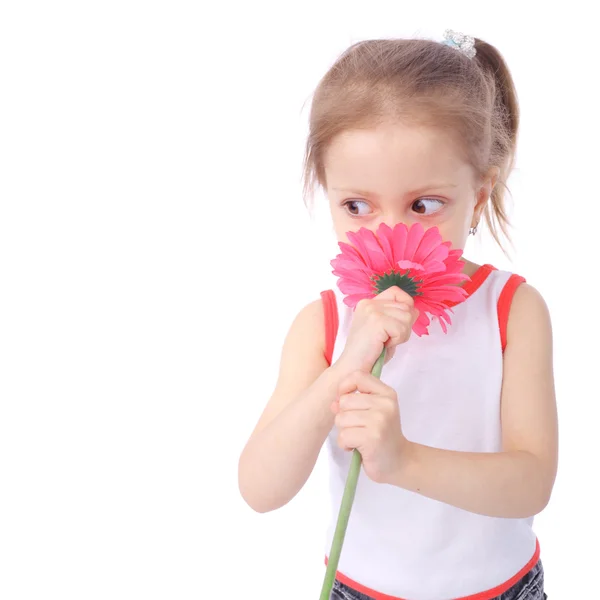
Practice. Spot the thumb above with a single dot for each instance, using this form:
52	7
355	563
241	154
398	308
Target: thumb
395	294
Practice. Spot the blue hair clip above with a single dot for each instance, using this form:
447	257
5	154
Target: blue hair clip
460	41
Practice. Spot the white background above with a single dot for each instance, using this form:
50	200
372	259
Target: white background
154	249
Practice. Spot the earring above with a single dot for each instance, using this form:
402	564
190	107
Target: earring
473	230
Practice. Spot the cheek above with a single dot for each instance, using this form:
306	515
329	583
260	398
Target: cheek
342	222
341	230
456	228
454	233
339	225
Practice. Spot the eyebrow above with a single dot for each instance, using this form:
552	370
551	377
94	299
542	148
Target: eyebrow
434	186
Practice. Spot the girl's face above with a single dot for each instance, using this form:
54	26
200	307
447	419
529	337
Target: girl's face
400	174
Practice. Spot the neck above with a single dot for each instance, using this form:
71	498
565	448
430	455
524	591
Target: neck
470	267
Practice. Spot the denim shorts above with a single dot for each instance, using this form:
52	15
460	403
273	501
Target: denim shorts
529	587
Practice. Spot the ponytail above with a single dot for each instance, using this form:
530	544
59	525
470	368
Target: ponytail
504	132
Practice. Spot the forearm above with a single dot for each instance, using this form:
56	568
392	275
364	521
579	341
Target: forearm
277	461
504	484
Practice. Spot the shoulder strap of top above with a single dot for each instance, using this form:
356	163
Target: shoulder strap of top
504	303
331	322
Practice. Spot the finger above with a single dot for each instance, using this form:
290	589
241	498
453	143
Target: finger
395	294
403	306
404	314
352	437
364	383
355	401
352	418
393	329
398	310
398	329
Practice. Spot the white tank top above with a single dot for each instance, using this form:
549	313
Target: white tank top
400	544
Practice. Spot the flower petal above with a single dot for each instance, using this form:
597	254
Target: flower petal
400	235
370	250
435	266
430	242
415	235
410	265
437	255
421	325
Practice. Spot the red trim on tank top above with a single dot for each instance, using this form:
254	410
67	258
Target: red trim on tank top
331	322
477	280
487	595
504	303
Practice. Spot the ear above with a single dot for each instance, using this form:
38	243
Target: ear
484	192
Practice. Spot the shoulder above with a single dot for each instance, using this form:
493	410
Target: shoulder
529	315
307	332
302	360
303	353
528	298
311	316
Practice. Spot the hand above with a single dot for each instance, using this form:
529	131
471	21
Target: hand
368	419
383	321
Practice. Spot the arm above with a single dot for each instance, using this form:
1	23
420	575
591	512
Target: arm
284	446
518	481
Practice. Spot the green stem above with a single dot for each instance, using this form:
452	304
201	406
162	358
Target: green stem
345	507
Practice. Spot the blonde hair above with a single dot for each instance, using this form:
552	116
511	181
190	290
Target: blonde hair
421	82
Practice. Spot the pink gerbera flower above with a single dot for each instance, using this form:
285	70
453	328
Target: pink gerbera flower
418	261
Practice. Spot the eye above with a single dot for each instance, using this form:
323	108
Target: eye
357	207
427	206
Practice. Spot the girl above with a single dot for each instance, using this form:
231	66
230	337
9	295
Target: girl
459	437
